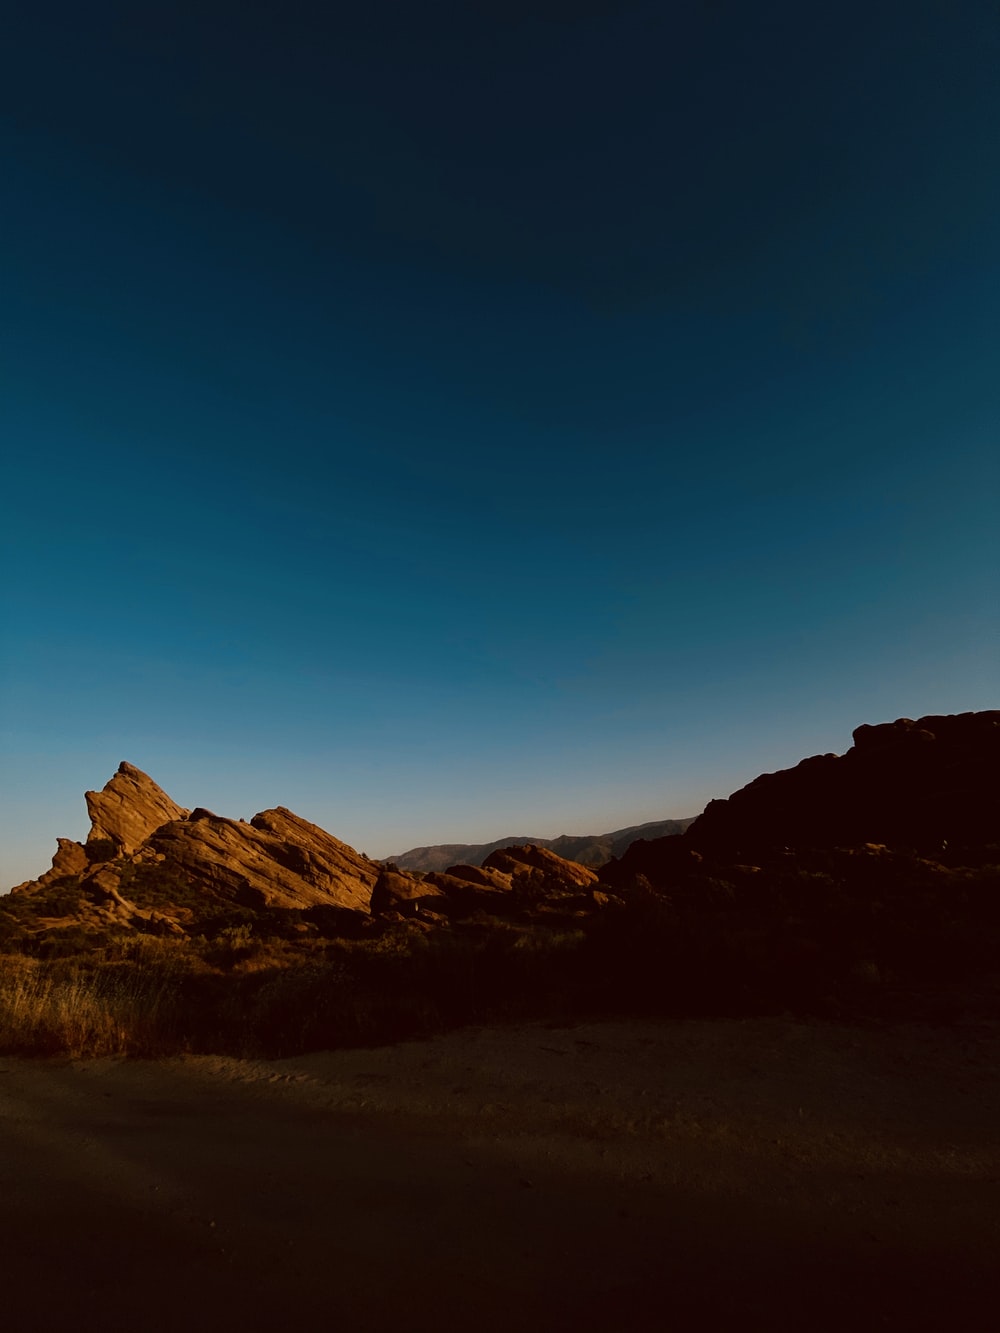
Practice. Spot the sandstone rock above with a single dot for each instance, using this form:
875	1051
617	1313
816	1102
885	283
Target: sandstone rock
277	860
551	872
130	808
485	876
177	861
103	883
395	892
512	882
70	860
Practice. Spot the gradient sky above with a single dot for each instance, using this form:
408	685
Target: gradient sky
459	419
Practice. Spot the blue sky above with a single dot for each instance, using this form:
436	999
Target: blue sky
479	418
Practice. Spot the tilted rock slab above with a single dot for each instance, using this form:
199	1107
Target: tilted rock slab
130	808
529	862
277	860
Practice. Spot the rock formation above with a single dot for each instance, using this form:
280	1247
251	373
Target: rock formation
532	863
150	864
130	808
146	856
70	860
930	786
277	860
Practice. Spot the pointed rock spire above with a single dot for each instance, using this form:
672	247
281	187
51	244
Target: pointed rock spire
129	809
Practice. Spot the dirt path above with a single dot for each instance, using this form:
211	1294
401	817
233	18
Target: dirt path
758	1175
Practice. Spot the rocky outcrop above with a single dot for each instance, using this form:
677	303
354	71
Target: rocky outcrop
485	876
532	863
277	860
397	892
911	783
930	786
69	861
129	808
149	862
526	883
148	858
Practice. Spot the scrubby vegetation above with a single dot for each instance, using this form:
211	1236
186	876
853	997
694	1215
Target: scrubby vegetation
853	933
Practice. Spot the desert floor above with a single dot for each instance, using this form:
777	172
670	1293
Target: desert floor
615	1176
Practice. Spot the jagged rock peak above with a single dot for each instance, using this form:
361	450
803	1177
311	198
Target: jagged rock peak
129	808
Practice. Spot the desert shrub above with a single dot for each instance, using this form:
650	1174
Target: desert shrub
101	849
63	898
70	941
150	886
12	933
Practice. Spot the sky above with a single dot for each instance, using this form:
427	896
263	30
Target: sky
482	417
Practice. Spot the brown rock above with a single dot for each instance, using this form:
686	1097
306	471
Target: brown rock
129	809
485	876
277	860
70	859
539	864
509	882
396	892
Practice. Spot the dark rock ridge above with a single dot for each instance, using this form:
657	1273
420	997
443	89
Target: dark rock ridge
930	786
589	849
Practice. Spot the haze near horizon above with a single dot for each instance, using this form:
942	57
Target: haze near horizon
458	421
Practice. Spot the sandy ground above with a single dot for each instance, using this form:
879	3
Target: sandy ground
615	1176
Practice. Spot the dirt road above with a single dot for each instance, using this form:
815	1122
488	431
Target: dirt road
620	1176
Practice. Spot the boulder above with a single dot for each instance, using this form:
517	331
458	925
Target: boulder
485	876
396	892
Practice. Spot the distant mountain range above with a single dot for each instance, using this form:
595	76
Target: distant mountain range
587	849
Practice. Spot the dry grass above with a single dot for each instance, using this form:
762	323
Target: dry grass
884	940
245	995
128	1006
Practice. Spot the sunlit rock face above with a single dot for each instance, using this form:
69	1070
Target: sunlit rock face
188	863
406	894
129	808
70	860
531	860
277	860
